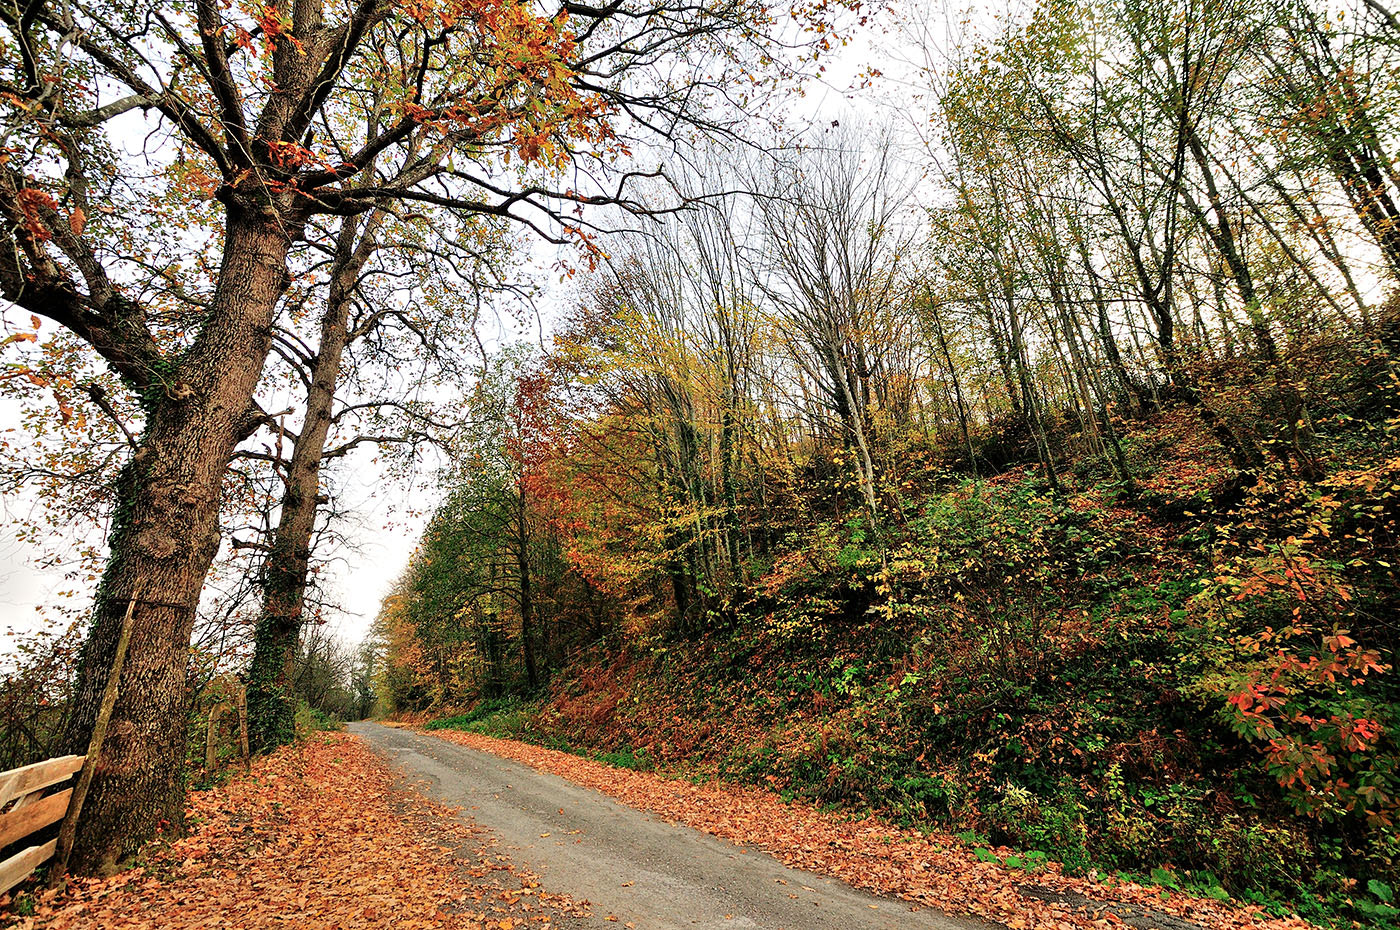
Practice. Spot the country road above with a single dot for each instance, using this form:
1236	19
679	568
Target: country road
630	865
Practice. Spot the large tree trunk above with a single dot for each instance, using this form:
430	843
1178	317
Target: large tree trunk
271	701
164	536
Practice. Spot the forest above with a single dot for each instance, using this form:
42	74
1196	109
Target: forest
1013	451
1046	488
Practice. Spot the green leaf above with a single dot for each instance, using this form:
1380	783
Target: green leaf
1164	878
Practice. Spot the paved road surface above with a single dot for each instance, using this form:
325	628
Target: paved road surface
680	879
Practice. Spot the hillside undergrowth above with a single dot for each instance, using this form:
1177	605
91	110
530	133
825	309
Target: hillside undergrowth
1189	683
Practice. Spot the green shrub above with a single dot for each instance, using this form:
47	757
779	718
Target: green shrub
638	760
504	718
313	720
478	712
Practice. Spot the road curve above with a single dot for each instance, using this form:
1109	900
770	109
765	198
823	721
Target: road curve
631	865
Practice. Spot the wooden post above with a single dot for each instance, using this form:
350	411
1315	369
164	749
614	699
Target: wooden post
211	736
69	830
242	693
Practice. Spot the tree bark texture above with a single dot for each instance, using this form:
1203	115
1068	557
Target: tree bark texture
164	536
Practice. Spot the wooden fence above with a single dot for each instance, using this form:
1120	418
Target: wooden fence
22	789
31	810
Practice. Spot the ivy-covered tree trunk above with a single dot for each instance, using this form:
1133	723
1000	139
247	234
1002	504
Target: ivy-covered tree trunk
164	537
271	701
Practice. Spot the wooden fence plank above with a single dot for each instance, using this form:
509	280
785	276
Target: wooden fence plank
16	825
18	782
25	800
17	868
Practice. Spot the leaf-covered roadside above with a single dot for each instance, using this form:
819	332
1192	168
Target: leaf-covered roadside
317	836
932	870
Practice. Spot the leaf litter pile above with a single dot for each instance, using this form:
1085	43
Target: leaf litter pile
931	870
317	836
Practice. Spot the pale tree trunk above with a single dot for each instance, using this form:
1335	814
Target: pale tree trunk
852	416
164	536
1028	399
957	388
1222	234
